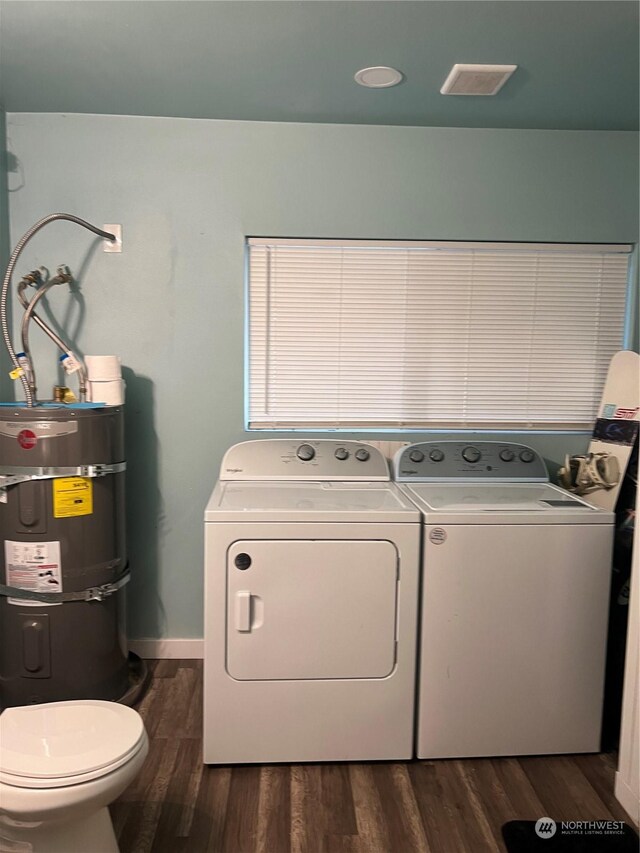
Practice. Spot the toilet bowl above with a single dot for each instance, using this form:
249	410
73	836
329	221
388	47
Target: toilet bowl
61	765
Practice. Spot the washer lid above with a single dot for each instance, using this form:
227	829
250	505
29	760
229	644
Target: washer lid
309	501
66	739
534	503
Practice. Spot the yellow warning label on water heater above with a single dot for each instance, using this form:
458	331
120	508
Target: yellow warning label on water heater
72	496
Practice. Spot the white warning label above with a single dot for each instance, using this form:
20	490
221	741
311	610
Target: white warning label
34	566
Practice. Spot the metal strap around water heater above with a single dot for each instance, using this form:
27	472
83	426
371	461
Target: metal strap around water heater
13	474
92	593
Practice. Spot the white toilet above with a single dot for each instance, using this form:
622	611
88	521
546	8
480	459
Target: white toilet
61	765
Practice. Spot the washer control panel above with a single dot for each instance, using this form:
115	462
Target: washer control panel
315	459
469	460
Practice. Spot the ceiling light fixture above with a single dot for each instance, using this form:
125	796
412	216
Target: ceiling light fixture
476	79
378	77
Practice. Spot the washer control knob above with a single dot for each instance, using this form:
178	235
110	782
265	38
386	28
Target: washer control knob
507	455
305	452
527	455
471	454
362	454
416	456
436	455
341	453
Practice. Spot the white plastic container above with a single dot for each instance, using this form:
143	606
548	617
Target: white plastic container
104	379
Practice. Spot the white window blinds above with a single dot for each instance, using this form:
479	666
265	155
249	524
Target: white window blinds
347	334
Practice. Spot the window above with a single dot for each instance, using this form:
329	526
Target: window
416	335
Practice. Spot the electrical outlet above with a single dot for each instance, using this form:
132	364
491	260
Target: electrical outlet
108	245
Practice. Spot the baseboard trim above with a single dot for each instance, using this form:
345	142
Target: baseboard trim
627	798
168	649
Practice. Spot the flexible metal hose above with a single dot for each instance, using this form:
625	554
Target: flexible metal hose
26	319
49	331
62	345
22	242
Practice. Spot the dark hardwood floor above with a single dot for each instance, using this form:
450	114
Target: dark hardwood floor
178	804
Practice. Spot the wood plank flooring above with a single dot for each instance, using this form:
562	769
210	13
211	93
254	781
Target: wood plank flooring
179	805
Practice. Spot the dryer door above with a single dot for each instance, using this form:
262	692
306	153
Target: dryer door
311	609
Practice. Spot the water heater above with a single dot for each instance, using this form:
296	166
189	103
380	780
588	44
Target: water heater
64	565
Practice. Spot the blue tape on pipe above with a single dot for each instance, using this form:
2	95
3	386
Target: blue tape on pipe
54	406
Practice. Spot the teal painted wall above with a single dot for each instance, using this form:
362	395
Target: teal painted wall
4	194
6	391
187	192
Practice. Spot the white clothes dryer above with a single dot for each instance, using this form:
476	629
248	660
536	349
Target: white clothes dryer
311	597
515	595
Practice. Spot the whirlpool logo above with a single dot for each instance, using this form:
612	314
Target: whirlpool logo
546	827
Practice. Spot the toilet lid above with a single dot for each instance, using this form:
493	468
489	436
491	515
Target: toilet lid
66	739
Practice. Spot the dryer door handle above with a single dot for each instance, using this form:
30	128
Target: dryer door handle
243	610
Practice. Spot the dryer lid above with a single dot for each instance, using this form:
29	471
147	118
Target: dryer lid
66	739
309	501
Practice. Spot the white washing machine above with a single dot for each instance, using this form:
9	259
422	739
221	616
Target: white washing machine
515	595
311	598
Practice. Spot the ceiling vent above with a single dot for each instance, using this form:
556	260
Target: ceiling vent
476	79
